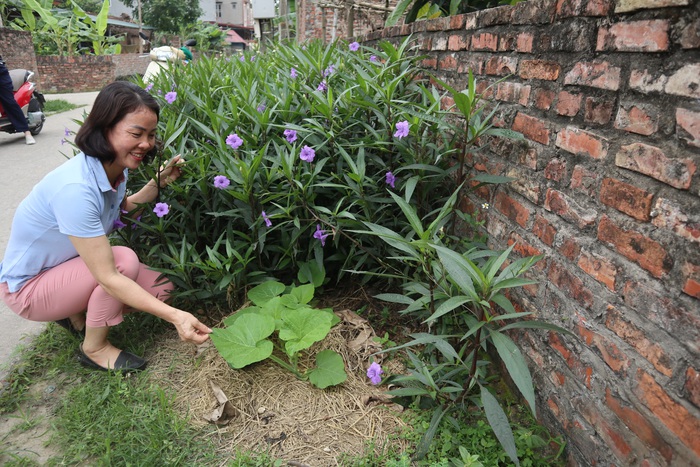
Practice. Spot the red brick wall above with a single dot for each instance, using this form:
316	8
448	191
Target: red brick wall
81	73
607	94
17	51
310	20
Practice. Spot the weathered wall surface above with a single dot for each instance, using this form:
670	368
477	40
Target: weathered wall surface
17	51
81	73
607	94
320	20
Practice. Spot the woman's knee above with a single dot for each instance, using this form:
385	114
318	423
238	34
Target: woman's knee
126	261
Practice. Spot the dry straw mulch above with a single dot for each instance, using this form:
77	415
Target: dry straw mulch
272	411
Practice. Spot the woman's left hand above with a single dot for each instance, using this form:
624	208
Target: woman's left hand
171	170
191	329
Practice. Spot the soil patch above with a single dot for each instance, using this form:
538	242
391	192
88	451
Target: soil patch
264	407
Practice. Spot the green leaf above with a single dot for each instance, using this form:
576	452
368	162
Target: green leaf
402	392
329	371
499	422
516	366
495	179
447	306
303	293
302	327
246	342
263	292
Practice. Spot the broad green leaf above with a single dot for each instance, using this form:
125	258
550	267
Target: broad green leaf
516	366
302	327
499	423
303	293
246	342
329	371
263	292
228	321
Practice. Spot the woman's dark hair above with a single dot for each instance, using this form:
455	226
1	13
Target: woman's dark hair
113	103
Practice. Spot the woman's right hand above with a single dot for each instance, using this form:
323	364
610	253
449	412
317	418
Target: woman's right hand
191	329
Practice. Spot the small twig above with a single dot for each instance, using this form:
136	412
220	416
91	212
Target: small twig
297	464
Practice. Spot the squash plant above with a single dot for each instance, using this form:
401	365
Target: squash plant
279	325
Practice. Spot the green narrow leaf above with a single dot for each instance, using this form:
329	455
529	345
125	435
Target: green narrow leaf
516	366
499	422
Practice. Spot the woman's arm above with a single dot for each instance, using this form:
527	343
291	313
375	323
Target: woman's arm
97	254
168	174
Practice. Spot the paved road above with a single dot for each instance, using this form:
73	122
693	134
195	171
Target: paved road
21	167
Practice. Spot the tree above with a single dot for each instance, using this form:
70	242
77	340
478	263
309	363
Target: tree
167	15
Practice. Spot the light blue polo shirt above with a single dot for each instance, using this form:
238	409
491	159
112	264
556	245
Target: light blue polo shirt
74	199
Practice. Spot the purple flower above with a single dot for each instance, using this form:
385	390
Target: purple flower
328	71
401	129
261	107
63	141
234	140
242	58
66	131
267	220
373	58
390	179
161	209
149	87
291	135
354	47
322	87
375	372
221	182
307	154
293	73
118	224
170	97
320	235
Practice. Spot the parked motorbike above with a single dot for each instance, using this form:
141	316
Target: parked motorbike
30	101
162	57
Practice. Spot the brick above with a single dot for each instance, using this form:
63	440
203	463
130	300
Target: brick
570	248
623	6
688	126
565	207
668	411
447	103
612	355
598	7
517	151
523	43
691	275
533	12
685	82
669	215
626	198
495	16
513	92
532	128
640	425
540	69
647	253
651	161
485	41
495	226
570	358
637	119
570	284
525	185
512	209
577	141
634	36
598	110
646	82
612	438
430	62
500	65
692	385
543	98
637	339
555	170
599	268
544	230
569	8
437	24
690	35
568	104
458	42
457	22
436	43
584	180
470	63
447	62
600	75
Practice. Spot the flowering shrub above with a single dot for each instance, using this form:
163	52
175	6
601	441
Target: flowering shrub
293	178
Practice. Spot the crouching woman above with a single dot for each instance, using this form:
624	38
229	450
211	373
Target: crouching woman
59	265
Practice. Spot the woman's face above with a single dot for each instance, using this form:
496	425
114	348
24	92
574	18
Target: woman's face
133	137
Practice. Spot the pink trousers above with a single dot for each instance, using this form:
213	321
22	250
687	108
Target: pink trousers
69	288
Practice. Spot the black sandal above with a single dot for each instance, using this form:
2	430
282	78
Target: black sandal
66	323
126	362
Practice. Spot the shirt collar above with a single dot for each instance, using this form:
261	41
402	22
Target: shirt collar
98	171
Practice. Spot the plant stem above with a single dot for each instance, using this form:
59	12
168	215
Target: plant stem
287	366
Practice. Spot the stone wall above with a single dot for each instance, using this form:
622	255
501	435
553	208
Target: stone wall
607	95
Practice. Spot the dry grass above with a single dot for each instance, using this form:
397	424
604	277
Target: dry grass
273	411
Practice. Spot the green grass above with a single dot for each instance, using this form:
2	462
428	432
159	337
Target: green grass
110	419
58	106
